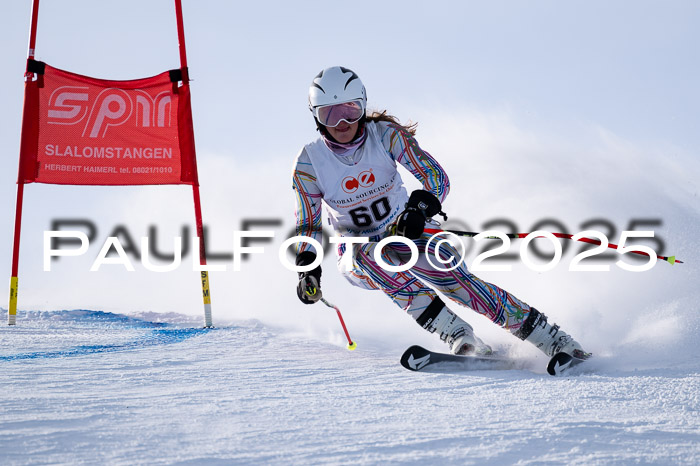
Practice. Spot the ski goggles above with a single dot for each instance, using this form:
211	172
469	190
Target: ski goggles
332	115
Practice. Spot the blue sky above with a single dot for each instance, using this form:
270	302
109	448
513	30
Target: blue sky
511	97
630	66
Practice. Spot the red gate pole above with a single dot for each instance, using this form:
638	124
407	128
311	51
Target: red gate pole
195	186
12	308
28	76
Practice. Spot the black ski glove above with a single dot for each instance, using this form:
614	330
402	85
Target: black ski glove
421	206
309	287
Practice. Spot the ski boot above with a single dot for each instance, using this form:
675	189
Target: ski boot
550	339
454	331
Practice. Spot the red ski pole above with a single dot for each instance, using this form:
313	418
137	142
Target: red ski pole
351	344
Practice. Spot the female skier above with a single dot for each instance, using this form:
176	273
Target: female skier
352	168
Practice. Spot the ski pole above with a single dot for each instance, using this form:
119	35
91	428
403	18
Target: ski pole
670	259
351	344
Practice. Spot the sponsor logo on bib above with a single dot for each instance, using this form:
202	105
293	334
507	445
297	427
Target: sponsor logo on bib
350	184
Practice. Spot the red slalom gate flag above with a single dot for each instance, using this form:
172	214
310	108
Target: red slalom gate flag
79	130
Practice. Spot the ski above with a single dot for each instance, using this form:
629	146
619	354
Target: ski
561	362
417	358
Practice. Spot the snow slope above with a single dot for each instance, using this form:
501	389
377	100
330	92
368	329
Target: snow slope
93	387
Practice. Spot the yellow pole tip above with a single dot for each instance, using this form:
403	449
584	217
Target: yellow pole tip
352	346
672	260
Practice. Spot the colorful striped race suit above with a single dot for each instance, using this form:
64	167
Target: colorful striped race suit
364	194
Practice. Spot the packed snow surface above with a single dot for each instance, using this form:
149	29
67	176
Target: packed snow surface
94	387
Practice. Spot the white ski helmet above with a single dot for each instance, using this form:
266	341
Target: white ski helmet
336	85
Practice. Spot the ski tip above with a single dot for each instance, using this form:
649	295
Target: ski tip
561	362
415	358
